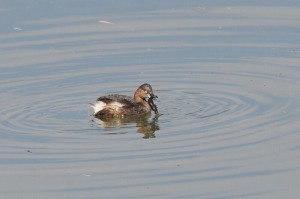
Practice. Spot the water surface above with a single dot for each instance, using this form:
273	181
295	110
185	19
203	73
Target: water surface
227	77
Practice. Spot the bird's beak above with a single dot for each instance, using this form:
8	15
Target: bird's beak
153	96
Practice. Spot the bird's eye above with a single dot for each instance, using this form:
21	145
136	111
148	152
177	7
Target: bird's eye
146	92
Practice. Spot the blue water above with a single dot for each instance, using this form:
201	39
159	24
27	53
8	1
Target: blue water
226	73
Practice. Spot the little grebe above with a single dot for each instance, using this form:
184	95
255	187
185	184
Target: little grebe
120	105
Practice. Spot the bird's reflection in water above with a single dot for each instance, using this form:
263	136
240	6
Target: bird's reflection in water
145	124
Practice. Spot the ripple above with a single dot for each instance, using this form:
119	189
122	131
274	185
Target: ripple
196	93
228	105
217	101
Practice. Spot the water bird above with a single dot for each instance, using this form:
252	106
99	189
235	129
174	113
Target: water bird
122	105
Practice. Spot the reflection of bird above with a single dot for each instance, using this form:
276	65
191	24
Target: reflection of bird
142	122
120	105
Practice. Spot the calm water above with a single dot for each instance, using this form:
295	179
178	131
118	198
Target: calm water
227	77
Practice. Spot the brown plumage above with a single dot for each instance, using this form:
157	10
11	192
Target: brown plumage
121	105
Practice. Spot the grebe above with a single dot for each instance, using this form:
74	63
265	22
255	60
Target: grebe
122	105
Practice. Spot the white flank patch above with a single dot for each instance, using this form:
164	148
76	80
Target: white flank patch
99	105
